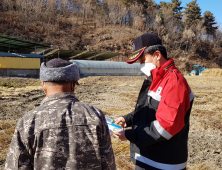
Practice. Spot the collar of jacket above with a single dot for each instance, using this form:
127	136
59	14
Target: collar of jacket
57	96
159	72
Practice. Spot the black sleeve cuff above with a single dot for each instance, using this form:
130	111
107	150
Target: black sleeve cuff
131	135
129	119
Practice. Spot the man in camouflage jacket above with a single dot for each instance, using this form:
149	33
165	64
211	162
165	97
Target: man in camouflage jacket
62	133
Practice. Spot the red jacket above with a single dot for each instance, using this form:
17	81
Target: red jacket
160	121
171	87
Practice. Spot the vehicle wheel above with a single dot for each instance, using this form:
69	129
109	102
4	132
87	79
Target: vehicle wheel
193	73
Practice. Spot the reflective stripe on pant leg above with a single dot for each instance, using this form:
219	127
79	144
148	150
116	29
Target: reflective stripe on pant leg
159	165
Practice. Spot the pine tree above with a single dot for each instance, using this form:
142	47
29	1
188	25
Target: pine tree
146	3
127	3
174	6
163	4
160	17
209	23
193	13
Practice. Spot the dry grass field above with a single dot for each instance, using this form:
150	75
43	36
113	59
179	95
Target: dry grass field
117	96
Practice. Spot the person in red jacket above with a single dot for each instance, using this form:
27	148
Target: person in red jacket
160	121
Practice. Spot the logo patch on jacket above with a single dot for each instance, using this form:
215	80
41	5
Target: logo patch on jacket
159	90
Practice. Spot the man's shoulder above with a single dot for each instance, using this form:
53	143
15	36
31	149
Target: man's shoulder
27	117
176	76
81	113
74	106
87	107
176	80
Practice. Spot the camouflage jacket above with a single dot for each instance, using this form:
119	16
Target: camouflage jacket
62	133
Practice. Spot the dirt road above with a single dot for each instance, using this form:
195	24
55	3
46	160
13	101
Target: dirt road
117	96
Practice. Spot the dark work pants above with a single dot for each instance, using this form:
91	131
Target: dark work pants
139	168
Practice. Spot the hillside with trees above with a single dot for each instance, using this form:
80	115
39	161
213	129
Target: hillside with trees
111	25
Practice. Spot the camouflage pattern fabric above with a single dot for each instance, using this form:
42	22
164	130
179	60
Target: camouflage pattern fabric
62	133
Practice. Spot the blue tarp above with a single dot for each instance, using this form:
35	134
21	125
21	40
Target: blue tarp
20	55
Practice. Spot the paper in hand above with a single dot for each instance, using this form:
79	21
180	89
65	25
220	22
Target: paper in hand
112	127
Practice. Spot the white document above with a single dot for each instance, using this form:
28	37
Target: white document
112	127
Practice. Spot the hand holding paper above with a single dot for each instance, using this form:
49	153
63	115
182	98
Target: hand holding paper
120	121
120	135
113	127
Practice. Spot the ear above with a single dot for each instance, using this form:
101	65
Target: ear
158	54
44	87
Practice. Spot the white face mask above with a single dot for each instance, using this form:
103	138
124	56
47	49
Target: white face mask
147	67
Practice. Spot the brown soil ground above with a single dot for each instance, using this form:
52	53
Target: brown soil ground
117	96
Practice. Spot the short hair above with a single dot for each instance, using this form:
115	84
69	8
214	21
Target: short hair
152	49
